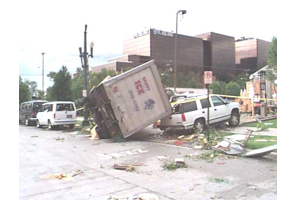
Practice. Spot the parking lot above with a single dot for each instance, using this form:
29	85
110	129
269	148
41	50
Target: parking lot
87	168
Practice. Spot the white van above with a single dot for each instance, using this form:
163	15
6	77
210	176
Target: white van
54	114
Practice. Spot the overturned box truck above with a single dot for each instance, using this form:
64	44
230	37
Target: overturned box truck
129	102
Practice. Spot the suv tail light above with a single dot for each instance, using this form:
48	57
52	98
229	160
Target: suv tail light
54	115
183	117
32	113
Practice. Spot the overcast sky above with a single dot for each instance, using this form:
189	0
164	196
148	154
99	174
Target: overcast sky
57	27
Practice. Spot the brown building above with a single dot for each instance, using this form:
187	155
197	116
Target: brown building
159	45
251	54
210	51
219	54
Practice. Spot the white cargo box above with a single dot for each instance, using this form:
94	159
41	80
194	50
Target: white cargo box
137	98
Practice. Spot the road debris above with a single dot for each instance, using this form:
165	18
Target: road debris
143	196
59	139
181	137
173	166
178	143
261	152
129	168
147	196
199	147
62	176
163	157
228	147
180	161
73	133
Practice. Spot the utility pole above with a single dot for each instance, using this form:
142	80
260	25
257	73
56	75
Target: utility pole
42	75
175	55
84	56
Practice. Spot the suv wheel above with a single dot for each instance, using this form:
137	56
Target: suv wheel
49	125
234	120
27	122
199	125
38	124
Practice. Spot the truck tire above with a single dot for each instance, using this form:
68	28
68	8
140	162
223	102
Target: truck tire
103	132
199	125
235	119
71	126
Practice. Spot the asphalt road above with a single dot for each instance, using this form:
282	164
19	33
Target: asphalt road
43	152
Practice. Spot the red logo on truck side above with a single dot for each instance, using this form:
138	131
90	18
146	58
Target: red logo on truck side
146	83
139	87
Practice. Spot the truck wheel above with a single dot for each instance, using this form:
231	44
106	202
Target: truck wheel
27	122
234	120
38	124
199	125
71	126
49	125
102	132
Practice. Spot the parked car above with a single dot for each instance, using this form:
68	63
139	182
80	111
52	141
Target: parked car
28	111
54	114
191	113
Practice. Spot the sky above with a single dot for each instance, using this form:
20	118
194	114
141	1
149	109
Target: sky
57	27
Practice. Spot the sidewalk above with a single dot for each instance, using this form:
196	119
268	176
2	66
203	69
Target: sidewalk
243	130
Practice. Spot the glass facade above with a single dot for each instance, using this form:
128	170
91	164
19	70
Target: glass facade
251	54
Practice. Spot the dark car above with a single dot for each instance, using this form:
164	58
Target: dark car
29	110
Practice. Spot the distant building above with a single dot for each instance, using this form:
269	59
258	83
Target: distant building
214	52
251	54
219	54
122	63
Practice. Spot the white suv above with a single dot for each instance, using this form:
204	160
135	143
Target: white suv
191	113
54	114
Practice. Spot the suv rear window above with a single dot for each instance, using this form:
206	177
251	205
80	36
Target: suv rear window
189	107
205	103
64	107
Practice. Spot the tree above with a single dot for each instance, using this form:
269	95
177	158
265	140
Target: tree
241	80
93	79
61	90
97	77
272	61
217	87
24	91
233	89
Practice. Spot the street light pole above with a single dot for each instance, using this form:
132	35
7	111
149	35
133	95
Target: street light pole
42	75
175	55
84	61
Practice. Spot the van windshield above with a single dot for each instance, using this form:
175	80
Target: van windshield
64	107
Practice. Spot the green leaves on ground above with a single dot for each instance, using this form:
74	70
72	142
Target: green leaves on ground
173	166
